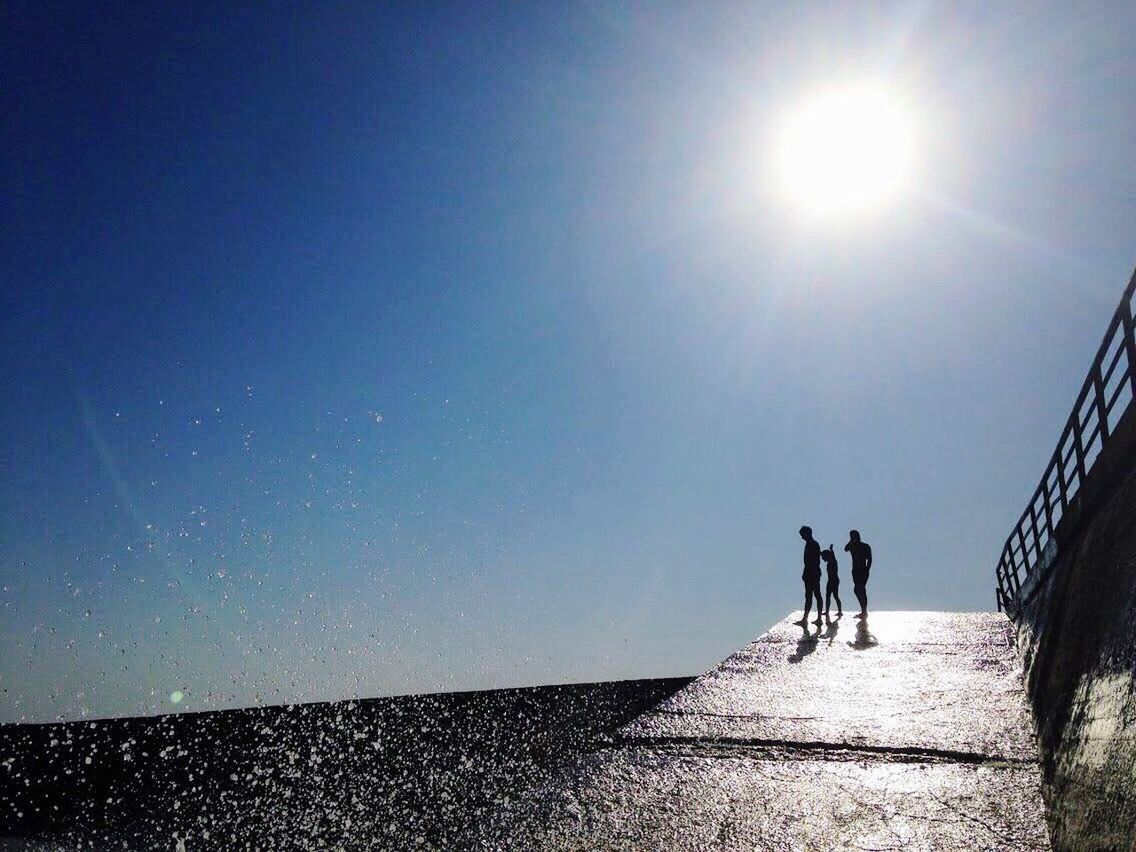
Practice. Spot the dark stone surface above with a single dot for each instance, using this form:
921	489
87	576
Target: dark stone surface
1078	638
912	733
389	773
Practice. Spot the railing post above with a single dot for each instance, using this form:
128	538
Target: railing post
1033	525
1102	411
1128	329
1025	557
1002	588
1048	505
1062	485
1078	448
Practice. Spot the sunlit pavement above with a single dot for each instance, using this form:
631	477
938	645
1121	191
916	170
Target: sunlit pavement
908	732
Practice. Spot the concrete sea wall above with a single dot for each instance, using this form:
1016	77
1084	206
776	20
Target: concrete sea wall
1077	637
386	773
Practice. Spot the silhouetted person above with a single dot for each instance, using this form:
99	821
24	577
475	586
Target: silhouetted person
832	589
811	575
861	566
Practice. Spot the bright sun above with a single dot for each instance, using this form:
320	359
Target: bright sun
845	151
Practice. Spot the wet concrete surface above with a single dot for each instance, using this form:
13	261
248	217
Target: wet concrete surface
932	681
911	732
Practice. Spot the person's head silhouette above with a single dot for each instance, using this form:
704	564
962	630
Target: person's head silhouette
854	535
806	533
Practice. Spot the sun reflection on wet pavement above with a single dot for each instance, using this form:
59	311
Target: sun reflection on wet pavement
908	730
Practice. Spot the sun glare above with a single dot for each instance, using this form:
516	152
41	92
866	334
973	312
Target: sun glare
845	151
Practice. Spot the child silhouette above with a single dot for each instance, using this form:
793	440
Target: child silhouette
832	590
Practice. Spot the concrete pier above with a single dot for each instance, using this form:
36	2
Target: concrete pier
910	731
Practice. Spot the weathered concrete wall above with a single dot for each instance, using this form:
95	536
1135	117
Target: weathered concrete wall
1077	636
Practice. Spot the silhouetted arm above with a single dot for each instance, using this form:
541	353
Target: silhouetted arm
868	561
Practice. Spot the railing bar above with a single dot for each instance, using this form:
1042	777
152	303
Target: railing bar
1111	401
1067	459
1130	336
1069	455
1091	435
1120	350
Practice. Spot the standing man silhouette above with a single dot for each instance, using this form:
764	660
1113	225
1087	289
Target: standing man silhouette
861	565
811	575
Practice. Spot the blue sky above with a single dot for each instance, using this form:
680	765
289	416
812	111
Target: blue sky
363	350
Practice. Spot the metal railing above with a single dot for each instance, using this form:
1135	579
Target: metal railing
1107	393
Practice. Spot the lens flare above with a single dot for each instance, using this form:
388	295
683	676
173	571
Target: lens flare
845	150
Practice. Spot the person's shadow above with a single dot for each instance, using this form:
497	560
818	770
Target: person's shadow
833	628
864	637
806	644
